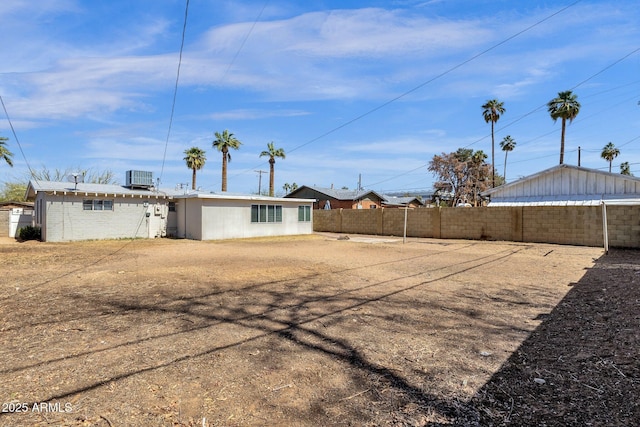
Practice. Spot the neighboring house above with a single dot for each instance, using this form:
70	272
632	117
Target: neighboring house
401	202
14	216
566	185
329	198
68	212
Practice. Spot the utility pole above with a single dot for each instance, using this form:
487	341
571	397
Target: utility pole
260	172
578	156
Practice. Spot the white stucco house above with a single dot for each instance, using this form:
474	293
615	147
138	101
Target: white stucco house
566	185
212	216
67	212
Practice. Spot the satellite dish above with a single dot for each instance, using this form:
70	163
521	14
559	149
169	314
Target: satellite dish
75	177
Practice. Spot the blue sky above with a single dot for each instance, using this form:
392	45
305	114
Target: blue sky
346	88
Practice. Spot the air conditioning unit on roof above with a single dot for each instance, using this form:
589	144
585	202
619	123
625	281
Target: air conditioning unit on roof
139	179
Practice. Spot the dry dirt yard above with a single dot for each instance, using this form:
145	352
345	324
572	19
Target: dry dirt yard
312	330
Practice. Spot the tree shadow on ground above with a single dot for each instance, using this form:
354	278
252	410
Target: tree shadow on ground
585	351
581	366
289	317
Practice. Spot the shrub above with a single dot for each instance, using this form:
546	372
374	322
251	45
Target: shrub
29	233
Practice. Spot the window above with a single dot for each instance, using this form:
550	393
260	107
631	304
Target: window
304	213
266	213
97	205
172	206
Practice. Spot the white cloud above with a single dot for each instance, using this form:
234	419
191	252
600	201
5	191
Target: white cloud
252	114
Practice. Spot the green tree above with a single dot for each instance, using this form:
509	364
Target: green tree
507	145
565	107
223	142
463	172
625	169
272	153
491	112
609	152
195	159
5	154
13	192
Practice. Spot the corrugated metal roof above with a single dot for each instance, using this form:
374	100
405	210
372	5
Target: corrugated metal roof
564	201
566	185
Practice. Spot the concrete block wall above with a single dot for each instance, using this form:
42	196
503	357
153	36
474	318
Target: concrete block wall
570	225
624	226
360	221
393	222
482	223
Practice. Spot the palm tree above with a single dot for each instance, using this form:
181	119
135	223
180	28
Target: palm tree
272	153
195	158
625	169
609	152
5	154
491	112
223	142
288	188
565	107
507	144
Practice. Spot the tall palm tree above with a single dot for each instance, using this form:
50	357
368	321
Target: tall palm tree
272	153
507	144
609	152
625	169
195	159
491	112
5	154
223	142
565	107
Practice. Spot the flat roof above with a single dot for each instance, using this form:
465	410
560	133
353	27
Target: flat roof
118	190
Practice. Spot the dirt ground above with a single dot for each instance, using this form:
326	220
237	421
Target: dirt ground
312	330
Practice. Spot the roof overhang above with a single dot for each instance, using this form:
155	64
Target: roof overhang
90	190
243	197
566	201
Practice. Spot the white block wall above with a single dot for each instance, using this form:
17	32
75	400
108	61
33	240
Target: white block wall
63	218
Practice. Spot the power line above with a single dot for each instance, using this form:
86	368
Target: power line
423	84
617	61
15	136
175	89
246	37
581	119
431	80
244	41
397	176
